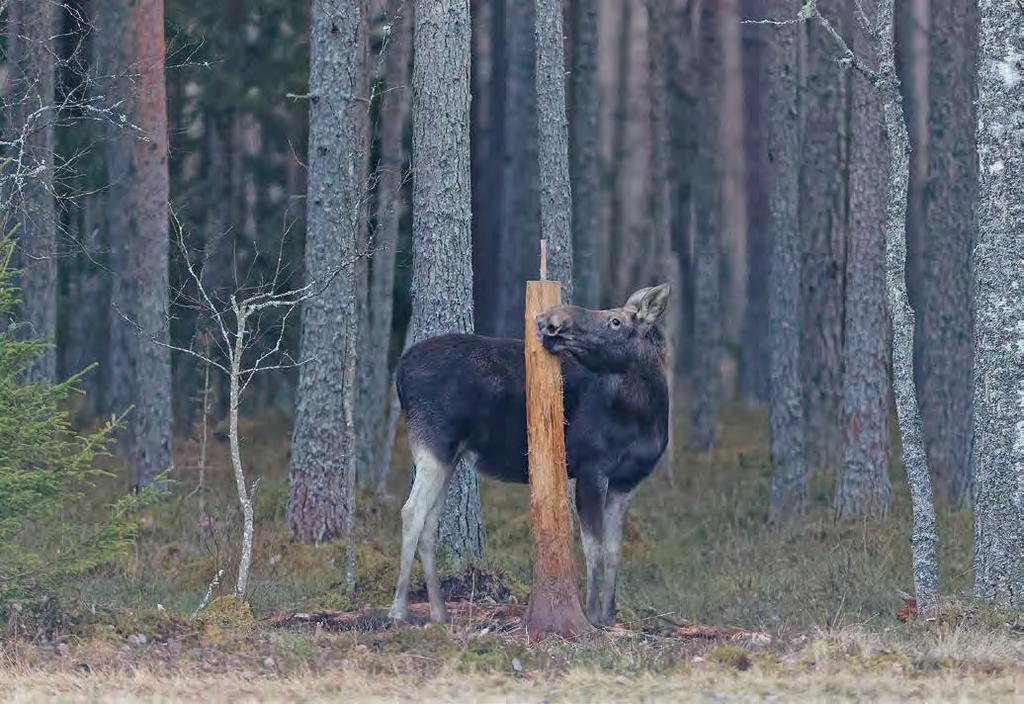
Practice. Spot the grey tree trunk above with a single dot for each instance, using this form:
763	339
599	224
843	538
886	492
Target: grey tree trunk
754	351
520	219
30	116
947	311
374	380
442	286
616	259
584	155
786	412
823	225
862	483
707	247
553	144
321	451
999	329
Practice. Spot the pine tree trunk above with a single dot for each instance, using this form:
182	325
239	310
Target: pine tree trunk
584	155
754	350
947	315
707	248
442	287
520	218
553	145
862	484
321	452
27	179
789	467
374	381
999	299
823	225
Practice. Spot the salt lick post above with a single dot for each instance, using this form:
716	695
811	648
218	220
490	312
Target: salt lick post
554	603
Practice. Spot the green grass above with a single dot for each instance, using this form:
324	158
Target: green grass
700	549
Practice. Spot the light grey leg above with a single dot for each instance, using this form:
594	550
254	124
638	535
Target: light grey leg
590	496
428	553
614	514
593	553
431	475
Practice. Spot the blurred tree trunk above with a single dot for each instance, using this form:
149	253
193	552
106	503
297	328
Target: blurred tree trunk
754	350
947	311
862	484
681	97
733	227
616	260
137	221
442	288
487	67
707	248
999	329
553	144
584	154
29	213
374	381
789	466
322	449
823	224
520	218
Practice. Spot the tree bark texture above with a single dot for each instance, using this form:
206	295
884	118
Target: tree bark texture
754	350
999	297
442	286
554	601
923	537
823	224
553	144
584	154
786	413
520	218
337	146
707	247
862	484
29	211
946	310
374	380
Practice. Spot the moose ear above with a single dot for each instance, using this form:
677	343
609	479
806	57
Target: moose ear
648	303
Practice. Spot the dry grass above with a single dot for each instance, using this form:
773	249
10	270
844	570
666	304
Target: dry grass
699	551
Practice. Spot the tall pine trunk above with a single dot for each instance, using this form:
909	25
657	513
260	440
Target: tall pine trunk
862	483
27	177
707	245
374	380
553	144
322	456
584	155
789	467
999	298
947	315
442	285
823	225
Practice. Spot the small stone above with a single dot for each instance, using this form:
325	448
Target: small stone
63	650
516	665
248	674
269	662
138	639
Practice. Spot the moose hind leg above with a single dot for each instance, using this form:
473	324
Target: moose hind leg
590	507
428	553
614	515
431	475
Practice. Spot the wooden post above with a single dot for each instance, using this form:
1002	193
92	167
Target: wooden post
554	602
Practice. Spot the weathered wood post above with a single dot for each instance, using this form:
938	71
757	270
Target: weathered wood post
554	602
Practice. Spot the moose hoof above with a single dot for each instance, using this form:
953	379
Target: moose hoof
439	615
398	614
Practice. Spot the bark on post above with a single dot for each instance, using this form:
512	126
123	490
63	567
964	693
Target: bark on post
554	602
999	297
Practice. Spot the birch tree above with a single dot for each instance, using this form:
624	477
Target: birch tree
442	286
999	298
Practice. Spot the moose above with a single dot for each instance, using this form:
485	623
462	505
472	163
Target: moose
465	396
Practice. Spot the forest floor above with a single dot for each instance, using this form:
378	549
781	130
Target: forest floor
799	612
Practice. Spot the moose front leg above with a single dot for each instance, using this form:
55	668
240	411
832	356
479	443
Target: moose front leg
590	497
614	515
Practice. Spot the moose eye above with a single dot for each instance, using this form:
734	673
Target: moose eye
615	322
